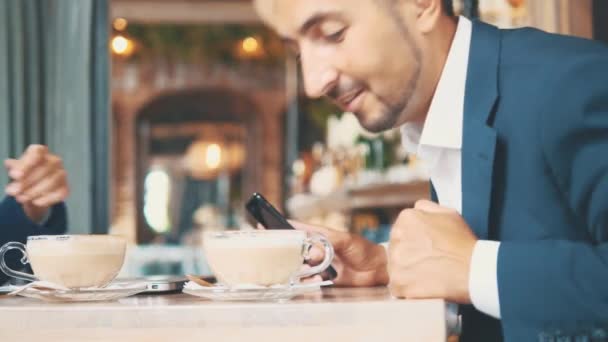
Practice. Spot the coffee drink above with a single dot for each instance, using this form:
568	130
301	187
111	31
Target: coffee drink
74	261
258	257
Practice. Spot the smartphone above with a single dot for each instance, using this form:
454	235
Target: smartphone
269	217
266	214
158	283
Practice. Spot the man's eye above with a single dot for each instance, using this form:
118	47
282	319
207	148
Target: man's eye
336	37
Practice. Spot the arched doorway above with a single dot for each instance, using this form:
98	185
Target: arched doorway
176	128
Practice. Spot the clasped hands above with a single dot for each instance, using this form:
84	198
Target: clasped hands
38	181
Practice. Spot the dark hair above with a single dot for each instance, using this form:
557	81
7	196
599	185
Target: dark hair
448	6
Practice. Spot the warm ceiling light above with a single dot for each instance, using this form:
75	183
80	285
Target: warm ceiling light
250	45
120	24
213	156
122	46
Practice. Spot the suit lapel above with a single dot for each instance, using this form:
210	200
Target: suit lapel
479	139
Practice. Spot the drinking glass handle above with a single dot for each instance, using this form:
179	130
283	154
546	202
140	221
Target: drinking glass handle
7	270
329	256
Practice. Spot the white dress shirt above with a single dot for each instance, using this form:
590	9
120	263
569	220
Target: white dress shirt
439	145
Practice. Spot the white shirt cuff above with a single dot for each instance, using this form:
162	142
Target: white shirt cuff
483	278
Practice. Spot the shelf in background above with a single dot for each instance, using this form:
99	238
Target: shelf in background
388	195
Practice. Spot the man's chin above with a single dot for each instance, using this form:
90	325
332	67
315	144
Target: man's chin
376	125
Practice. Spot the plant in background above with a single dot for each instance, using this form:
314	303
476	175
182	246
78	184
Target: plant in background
212	44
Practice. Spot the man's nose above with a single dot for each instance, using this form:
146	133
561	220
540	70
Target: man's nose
319	76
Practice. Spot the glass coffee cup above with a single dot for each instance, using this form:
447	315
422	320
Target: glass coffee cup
72	261
263	257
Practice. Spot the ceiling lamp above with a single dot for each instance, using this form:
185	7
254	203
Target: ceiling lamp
122	46
207	159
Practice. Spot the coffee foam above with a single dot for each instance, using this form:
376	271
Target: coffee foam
83	245
254	242
76	261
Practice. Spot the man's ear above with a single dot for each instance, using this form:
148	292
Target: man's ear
427	14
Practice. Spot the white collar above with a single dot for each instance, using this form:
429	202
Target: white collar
443	124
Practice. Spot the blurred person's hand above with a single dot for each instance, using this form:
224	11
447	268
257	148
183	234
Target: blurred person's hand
430	254
357	261
38	181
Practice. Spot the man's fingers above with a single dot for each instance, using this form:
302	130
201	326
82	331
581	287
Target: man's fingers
37	175
52	198
10	163
46	185
339	240
32	157
36	149
41	173
432	207
12	189
315	255
311	280
307	227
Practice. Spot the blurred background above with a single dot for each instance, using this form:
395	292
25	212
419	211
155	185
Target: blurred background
170	113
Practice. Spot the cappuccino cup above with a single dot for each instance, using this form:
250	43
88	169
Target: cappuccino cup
72	261
263	257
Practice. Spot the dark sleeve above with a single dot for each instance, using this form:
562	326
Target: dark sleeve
554	285
16	226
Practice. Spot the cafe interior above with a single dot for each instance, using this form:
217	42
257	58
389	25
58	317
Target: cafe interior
171	114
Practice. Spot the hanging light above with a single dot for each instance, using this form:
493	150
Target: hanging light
120	24
250	47
213	156
122	46
204	159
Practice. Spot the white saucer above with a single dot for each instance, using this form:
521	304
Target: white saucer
251	292
113	291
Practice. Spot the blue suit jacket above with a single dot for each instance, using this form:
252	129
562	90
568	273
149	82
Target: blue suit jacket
535	177
16	226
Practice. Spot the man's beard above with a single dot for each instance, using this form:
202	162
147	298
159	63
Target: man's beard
394	114
385	121
397	112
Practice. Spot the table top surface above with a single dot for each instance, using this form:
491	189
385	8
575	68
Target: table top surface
361	314
332	295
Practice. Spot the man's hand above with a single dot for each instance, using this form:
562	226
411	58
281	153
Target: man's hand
38	181
358	261
430	253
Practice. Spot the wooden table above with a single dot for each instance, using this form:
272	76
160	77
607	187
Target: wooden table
363	314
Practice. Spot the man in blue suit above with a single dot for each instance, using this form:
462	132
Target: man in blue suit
34	205
513	125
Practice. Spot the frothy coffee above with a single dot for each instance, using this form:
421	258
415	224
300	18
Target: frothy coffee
76	261
255	258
